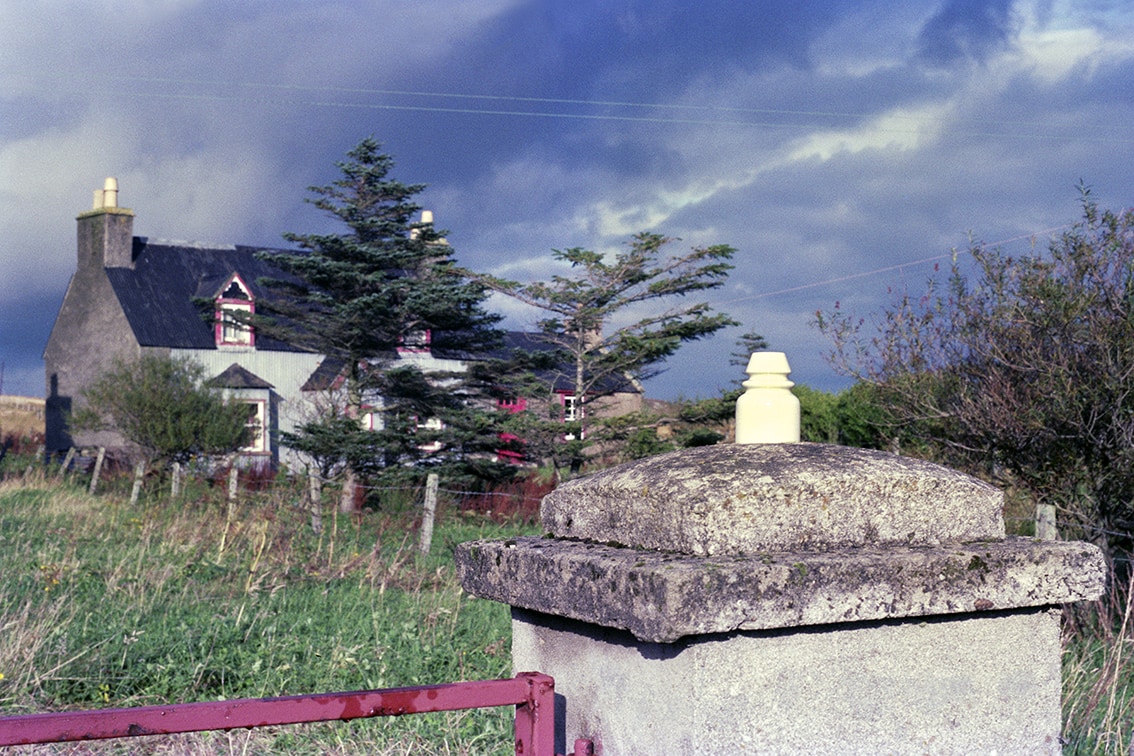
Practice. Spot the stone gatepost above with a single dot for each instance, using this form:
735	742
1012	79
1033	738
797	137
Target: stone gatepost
788	598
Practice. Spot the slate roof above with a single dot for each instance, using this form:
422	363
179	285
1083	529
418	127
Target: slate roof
324	376
157	294
237	377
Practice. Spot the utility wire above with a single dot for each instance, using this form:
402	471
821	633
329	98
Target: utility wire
421	108
543	100
890	268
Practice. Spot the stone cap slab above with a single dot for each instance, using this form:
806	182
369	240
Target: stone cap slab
661	597
744	498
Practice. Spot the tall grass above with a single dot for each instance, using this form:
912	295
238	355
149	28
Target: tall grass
1098	674
103	604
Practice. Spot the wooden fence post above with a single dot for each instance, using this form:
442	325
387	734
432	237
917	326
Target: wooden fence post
233	487
430	510
97	469
315	500
66	461
175	483
40	459
139	475
1046	529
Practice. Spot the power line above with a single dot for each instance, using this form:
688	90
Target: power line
585	116
545	100
460	111
546	114
889	268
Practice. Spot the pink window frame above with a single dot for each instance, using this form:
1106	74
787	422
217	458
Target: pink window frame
249	304
512	406
426	347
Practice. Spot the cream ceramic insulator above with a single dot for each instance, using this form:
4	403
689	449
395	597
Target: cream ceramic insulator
767	412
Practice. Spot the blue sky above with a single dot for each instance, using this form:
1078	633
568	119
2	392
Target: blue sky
842	147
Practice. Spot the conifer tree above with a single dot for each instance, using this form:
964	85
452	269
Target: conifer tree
359	296
747	343
610	324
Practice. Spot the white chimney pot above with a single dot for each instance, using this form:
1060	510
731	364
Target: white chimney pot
110	192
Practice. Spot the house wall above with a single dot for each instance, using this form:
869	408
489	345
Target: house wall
91	331
427	363
286	371
615	405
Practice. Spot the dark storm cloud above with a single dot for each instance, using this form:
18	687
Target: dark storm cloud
627	51
649	48
966	29
25	323
823	140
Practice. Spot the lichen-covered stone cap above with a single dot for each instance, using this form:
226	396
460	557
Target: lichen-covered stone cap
751	498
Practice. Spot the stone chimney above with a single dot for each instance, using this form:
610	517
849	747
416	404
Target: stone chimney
106	232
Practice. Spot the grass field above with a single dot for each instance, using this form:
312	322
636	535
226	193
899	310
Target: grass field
21	417
104	604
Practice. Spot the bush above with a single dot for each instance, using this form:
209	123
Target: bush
161	406
1022	370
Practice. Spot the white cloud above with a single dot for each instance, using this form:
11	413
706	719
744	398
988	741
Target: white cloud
1052	55
1057	39
901	129
49	179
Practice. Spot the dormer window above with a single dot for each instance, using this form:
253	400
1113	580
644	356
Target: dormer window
234	308
416	341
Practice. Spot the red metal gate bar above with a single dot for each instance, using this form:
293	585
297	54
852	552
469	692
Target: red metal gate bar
532	693
535	716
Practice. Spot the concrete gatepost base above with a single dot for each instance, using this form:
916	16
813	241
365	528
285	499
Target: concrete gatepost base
794	598
960	686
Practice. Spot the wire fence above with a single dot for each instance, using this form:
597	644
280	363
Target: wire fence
1092	528
521	495
516	496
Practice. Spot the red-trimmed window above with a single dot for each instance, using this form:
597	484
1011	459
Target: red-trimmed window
511	405
416	341
233	307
